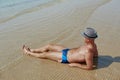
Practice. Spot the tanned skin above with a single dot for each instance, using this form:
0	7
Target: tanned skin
75	56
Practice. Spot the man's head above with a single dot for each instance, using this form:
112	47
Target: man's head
89	34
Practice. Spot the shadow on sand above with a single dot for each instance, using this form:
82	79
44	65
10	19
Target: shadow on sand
104	61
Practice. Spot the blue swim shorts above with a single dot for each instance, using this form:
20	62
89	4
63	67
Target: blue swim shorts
64	55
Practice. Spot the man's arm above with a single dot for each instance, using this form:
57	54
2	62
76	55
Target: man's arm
89	63
96	50
79	66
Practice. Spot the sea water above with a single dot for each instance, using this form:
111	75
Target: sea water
9	8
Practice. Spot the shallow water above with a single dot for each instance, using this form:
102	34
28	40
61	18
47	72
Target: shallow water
37	23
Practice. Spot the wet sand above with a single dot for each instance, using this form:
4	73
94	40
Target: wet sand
60	22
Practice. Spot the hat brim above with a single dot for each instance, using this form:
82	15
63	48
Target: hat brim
86	36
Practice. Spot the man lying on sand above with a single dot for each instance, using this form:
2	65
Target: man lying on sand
74	57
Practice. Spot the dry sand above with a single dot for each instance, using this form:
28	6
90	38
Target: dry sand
60	22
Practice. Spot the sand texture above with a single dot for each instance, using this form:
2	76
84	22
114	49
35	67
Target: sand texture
59	22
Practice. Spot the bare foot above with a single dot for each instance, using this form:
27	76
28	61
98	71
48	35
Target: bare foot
26	50
30	50
34	51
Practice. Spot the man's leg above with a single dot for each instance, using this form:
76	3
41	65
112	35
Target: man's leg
56	56
49	47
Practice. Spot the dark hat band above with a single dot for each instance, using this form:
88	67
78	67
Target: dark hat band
90	36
